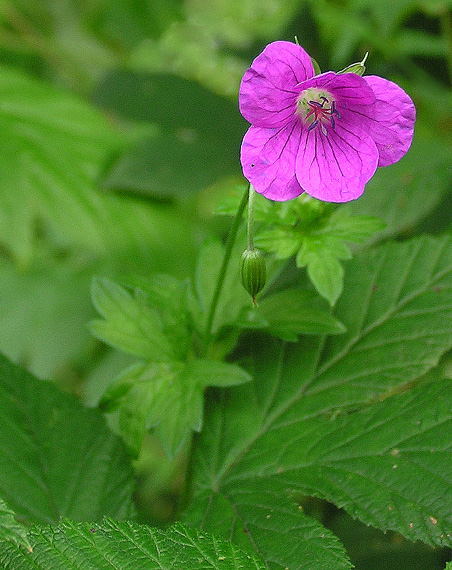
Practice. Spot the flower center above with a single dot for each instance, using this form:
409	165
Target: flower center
317	108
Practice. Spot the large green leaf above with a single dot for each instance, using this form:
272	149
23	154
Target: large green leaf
124	546
56	457
313	421
260	513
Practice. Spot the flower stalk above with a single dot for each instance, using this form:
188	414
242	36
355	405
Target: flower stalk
221	276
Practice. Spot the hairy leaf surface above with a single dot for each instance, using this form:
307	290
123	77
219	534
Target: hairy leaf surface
124	546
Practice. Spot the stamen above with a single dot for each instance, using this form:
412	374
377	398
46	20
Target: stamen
320	111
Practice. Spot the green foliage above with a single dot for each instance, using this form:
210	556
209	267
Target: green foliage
316	233
289	313
163	390
10	529
348	436
130	323
124	545
169	396
121	132
198	126
58	458
50	181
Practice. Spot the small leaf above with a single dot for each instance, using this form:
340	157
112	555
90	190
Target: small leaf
327	275
11	530
130	323
350	228
124	546
168	295
213	373
289	313
162	395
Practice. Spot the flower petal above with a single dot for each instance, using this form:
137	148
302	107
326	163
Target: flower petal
335	167
269	88
268	160
348	89
392	124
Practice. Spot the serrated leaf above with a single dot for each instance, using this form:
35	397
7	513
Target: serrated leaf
10	529
54	149
289	313
313	420
56	457
374	463
287	538
124	546
168	295
130	323
166	396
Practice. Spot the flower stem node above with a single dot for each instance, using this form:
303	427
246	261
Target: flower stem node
253	272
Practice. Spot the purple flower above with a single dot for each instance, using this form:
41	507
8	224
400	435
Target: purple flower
324	135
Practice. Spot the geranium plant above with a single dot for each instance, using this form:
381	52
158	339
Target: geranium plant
282	398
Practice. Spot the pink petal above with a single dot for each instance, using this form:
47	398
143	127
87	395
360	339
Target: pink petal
268	160
392	123
349	89
269	88
335	167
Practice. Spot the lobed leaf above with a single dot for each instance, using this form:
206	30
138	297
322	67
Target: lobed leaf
168	396
130	323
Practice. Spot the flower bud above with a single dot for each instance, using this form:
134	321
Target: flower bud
358	68
253	271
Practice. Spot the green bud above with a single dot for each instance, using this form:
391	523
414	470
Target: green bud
253	271
358	68
317	69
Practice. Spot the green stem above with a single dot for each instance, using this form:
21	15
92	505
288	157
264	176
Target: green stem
250	223
224	266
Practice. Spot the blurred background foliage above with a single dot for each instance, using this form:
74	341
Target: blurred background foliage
120	133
